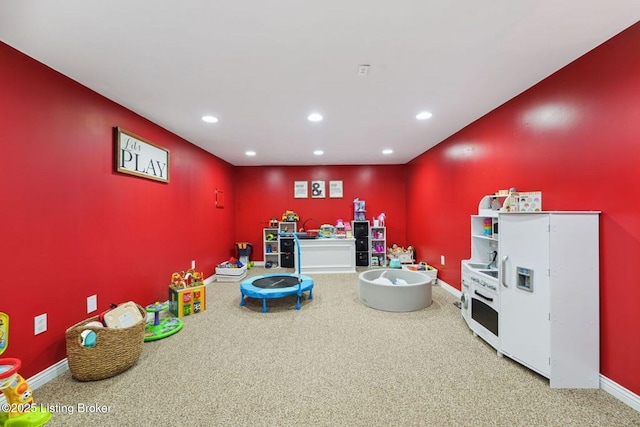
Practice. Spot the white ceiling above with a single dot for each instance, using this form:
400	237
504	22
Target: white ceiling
262	66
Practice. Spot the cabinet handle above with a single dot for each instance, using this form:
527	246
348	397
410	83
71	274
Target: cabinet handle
503	269
482	296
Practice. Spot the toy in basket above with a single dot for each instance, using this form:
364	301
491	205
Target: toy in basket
425	269
111	350
231	271
405	256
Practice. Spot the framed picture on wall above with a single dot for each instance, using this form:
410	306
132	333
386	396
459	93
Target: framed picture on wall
317	189
335	189
300	189
137	156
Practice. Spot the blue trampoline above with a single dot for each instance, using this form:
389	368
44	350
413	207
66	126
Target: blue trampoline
277	285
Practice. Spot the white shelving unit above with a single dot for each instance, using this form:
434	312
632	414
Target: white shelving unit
272	242
271	246
378	246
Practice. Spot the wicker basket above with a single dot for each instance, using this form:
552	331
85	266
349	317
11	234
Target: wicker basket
116	349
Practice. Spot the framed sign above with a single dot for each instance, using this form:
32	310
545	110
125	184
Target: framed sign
317	189
139	157
300	189
335	189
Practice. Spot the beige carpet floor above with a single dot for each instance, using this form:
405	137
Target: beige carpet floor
335	362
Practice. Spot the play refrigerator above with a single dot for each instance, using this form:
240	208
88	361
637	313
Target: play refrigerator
549	295
186	301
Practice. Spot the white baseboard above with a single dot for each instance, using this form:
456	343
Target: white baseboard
447	287
43	377
620	393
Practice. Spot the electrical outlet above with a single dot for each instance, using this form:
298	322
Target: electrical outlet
193	264
92	303
441	259
40	324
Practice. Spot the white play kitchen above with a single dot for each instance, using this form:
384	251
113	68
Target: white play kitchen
530	289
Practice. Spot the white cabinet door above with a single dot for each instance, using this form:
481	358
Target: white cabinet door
524	311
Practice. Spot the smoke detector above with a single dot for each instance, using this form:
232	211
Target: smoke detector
363	70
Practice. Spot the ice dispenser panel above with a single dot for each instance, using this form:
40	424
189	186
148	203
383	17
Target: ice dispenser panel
525	278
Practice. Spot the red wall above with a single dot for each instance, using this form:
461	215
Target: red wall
267	192
575	137
71	227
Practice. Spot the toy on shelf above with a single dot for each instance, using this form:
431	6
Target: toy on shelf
290	216
359	210
19	410
379	220
327	231
340	229
161	327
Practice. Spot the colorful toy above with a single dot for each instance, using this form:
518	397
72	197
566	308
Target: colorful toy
187	279
19	410
395	263
405	256
488	227
161	328
277	285
290	216
4	332
244	251
359	210
187	293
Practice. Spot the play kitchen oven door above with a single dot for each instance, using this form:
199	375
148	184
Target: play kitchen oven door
485	307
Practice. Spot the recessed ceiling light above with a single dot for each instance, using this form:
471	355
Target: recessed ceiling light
314	117
250	153
387	151
209	119
424	115
318	152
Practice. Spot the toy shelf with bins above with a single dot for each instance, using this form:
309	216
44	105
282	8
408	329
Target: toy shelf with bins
286	244
363	246
378	246
271	244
